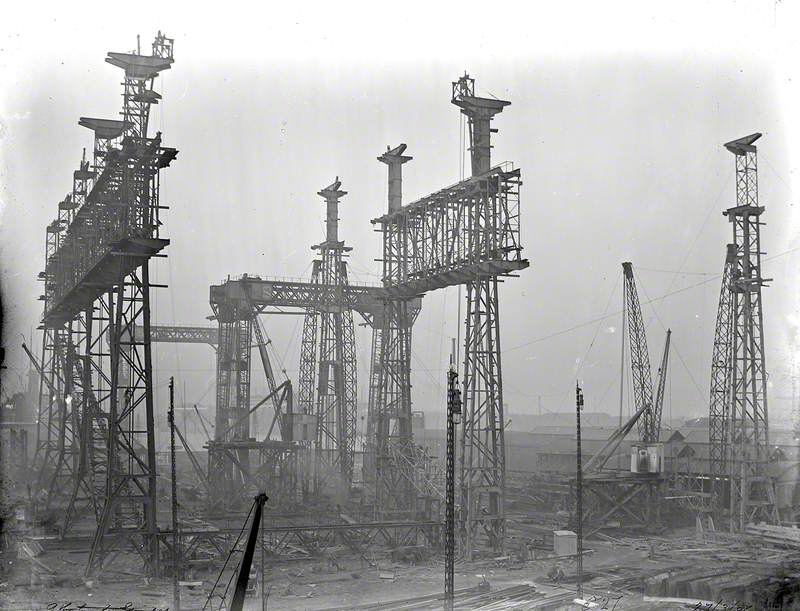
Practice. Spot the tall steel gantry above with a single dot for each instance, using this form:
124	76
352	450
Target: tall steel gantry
328	384
97	291
468	233
389	414
739	429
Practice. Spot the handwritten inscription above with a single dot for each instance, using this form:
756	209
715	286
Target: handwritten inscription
721	605
75	606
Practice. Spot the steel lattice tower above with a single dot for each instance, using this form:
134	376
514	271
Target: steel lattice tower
328	383
751	490
483	461
97	299
394	466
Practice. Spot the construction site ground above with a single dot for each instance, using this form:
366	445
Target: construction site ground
618	570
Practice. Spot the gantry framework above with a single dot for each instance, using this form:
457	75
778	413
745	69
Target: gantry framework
238	463
254	296
96	376
327	388
468	234
740	426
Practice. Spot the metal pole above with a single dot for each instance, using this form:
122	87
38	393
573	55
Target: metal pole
579	504
263	584
622	370
453	418
177	561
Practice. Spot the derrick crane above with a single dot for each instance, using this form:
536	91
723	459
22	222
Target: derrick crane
649	420
598	461
635	496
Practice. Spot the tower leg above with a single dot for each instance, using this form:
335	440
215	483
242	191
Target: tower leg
482	441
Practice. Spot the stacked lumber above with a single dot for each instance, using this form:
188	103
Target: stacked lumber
782	536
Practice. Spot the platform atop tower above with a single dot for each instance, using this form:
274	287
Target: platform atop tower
743	145
105	129
139	66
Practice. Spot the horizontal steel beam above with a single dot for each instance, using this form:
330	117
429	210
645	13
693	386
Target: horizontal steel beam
234	296
179	334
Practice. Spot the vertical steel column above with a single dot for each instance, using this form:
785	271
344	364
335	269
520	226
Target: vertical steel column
371	444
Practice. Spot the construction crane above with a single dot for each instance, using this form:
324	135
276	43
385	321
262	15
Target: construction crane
243	575
237	604
649	421
648	409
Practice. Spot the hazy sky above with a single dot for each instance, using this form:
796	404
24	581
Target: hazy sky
617	121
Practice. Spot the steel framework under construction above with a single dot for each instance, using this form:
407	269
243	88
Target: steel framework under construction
96	451
467	234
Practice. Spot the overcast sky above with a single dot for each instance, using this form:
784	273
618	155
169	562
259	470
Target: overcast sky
617	119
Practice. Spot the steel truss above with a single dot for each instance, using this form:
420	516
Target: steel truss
468	233
97	293
692	487
317	540
746	451
328	385
180	335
